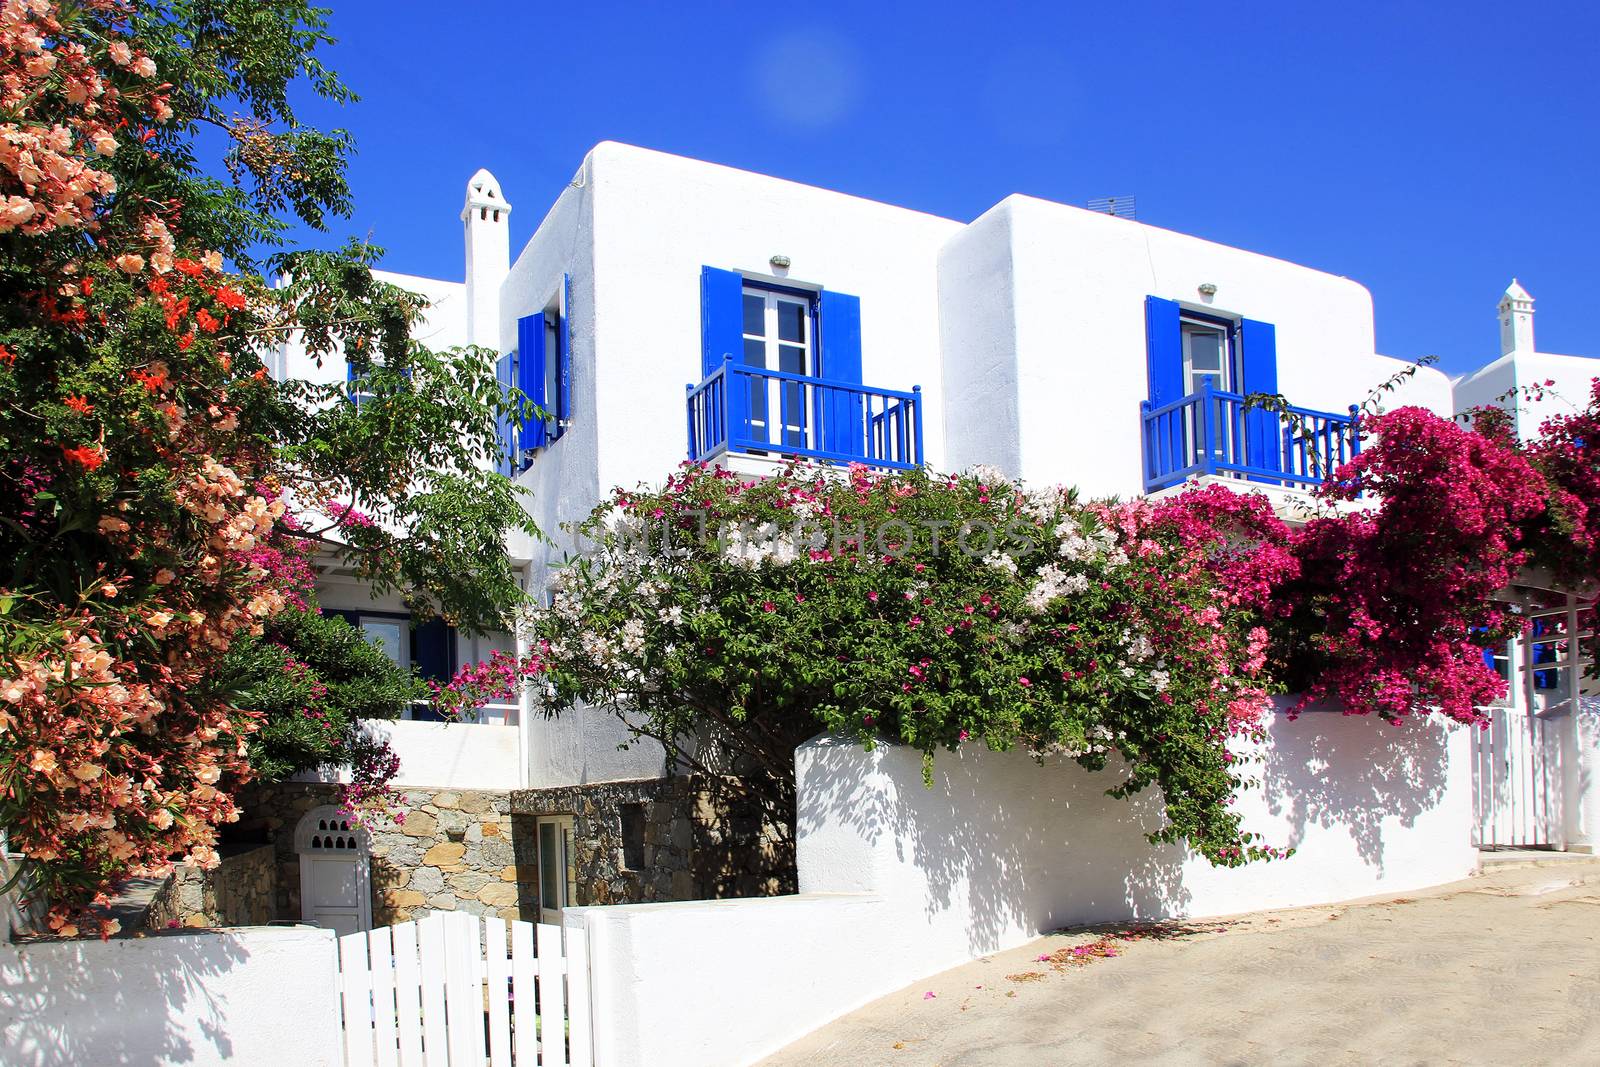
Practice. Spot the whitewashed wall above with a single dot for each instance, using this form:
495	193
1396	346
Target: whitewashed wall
253	995
1578	734
1500	382
633	229
900	881
1043	334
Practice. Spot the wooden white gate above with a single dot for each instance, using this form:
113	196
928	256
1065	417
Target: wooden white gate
1516	781
444	992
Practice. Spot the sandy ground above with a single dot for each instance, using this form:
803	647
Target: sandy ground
1501	969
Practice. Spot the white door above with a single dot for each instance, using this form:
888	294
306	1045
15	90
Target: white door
335	881
333	893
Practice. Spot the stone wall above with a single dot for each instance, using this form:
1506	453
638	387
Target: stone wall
240	891
695	844
449	850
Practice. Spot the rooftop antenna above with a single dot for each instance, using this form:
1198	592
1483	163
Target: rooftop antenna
1121	207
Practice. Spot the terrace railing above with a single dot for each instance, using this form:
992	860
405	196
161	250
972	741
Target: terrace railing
751	410
1211	433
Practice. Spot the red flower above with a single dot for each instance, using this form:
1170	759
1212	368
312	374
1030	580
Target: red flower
230	299
88	458
190	267
79	404
206	321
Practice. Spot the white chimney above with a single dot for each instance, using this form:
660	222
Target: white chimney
488	235
1516	320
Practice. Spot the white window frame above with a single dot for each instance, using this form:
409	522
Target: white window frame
565	869
1226	379
794	435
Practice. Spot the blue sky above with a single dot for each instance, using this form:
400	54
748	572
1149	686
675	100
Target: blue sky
1427	150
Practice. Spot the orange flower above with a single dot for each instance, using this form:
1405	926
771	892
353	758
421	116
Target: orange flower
230	299
8	357
190	267
206	320
89	458
79	404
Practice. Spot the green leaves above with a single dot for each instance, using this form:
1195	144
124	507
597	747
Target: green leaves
931	611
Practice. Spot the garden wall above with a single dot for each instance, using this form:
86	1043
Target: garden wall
695	843
240	891
197	998
900	880
453	851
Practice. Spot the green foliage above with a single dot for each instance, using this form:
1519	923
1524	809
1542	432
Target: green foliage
925	610
313	678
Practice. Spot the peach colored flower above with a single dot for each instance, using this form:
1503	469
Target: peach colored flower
130	263
44	761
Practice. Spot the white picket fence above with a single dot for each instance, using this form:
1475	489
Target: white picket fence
444	992
1516	781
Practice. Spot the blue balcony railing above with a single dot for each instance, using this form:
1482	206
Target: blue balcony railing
1210	432
763	412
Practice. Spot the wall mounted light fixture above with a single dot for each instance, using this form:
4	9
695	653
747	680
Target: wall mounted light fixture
1207	289
779	262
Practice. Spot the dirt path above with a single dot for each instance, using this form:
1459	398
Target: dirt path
1502	969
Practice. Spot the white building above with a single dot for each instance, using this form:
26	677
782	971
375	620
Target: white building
667	309
1532	385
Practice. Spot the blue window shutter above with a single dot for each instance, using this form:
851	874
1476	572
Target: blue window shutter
505	372
564	411
1258	363
721	318
1163	346
530	376
1163	351
843	417
722	335
433	650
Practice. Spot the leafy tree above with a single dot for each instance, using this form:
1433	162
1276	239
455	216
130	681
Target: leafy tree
149	455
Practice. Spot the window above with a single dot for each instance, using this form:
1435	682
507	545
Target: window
541	367
555	389
766	326
428	648
1183	347
389	634
1208	352
633	837
556	873
779	335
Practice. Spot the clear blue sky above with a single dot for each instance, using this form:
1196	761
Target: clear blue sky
1428	150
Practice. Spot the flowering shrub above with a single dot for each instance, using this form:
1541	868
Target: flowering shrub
932	611
499	678
1565	537
1394	604
148	452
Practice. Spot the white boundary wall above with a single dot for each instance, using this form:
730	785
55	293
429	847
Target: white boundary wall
254	995
443	755
900	880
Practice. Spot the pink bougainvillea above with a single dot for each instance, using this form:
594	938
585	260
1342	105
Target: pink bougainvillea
1393	604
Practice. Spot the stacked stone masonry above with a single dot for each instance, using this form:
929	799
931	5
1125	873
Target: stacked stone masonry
240	891
696	845
441	850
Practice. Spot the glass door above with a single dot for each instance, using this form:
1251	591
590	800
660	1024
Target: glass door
778	337
1208	353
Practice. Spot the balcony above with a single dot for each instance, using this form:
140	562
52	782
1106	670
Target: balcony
1211	433
748	410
